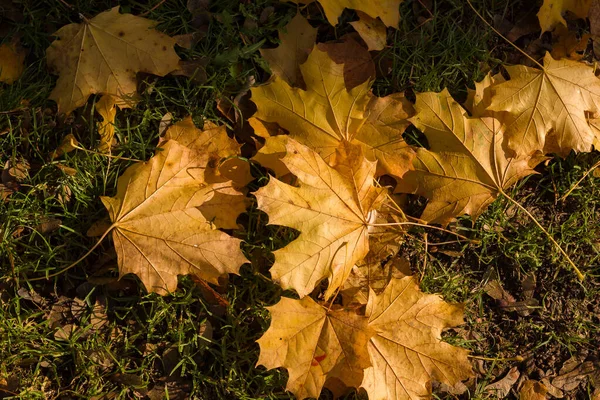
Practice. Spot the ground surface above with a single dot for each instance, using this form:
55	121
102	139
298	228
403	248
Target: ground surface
85	334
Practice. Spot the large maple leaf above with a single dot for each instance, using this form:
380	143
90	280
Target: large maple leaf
326	113
159	231
314	344
394	351
104	54
466	167
387	10
331	208
547	107
407	352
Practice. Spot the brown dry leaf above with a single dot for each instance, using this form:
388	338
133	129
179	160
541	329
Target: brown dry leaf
574	374
466	167
12	59
501	388
159	231
567	44
594	17
314	344
327	114
226	203
331	208
358	63
407	352
296	43
532	390
547	108
371	30
107	108
550	13
104	54
387	10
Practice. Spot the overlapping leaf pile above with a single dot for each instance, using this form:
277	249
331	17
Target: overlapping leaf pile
327	139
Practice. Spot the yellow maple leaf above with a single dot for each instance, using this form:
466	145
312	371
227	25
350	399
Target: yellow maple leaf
331	209
314	344
387	10
104	54
550	13
547	107
296	43
327	114
466	167
407	352
107	108
158	229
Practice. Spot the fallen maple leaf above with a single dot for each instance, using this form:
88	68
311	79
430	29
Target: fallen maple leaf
550	13
407	352
358	63
371	30
387	10
466	167
547	107
327	114
226	203
296	43
331	208
104	54
157	227
533	390
314	344
11	62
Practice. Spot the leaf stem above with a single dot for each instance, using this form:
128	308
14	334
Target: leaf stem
589	171
426	226
502	36
580	275
79	260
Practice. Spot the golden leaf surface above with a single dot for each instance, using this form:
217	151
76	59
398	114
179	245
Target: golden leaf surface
387	10
104	54
547	108
11	62
226	203
314	344
331	208
107	108
466	167
550	13
407	352
296	43
158	229
371	30
327	114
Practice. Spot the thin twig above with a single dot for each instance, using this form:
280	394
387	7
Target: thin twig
80	258
580	275
152	9
502	36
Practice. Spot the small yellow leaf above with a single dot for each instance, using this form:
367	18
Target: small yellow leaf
532	390
371	30
104	54
11	63
296	43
